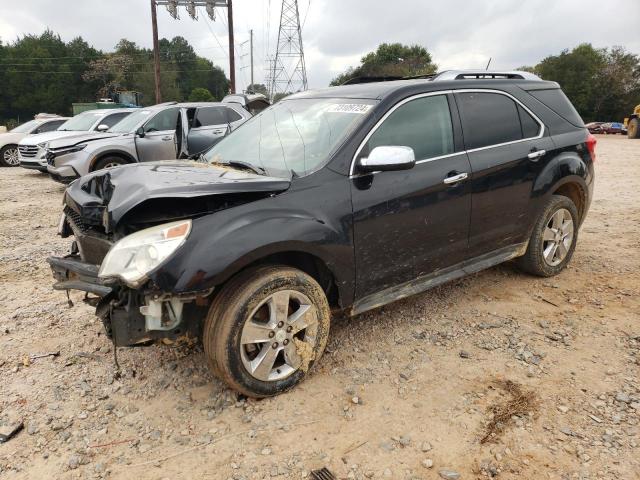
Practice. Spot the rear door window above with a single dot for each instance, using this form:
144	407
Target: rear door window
424	124
111	120
208	116
530	127
232	115
488	119
50	126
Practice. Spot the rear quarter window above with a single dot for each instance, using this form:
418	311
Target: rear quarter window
557	101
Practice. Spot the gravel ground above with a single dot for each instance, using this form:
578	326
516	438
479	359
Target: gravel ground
406	391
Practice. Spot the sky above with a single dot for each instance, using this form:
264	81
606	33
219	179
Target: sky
460	34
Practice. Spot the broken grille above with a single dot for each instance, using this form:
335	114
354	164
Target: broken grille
75	218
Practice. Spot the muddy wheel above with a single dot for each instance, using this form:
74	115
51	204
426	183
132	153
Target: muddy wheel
633	130
265	329
9	156
108	162
553	240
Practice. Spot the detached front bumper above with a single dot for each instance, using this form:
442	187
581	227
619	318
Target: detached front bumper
72	273
130	317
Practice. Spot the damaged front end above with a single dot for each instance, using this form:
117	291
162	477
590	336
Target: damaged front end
126	223
132	314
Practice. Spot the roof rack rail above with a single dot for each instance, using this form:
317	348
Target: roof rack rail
485	74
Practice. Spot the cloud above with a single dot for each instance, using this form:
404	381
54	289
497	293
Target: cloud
458	33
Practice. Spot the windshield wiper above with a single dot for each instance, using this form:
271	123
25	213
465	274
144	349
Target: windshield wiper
239	164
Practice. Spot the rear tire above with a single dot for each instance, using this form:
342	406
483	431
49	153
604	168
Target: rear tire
108	162
9	156
633	129
553	239
265	330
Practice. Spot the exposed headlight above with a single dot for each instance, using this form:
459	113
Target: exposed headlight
64	150
136	255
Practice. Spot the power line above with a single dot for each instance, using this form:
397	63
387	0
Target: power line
100	56
131	73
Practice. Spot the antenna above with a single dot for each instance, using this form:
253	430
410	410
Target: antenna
488	63
288	72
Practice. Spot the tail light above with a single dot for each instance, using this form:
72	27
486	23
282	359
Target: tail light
591	146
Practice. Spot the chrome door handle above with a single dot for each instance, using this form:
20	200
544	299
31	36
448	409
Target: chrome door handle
167	138
536	155
215	132
456	178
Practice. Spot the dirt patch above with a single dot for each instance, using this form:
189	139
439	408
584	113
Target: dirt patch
520	402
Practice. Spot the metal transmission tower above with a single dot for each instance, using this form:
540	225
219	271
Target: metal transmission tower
287	72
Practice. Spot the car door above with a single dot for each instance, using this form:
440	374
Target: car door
413	222
209	126
507	150
157	142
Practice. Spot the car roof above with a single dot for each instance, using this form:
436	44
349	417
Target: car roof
51	119
107	111
380	90
201	104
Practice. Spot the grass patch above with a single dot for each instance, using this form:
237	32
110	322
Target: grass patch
520	402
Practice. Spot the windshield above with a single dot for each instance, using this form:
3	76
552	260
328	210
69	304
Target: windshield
129	123
293	137
80	123
26	127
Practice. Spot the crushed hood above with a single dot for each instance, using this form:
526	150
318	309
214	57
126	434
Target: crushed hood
51	136
79	137
104	197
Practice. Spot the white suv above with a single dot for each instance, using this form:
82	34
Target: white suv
31	149
9	141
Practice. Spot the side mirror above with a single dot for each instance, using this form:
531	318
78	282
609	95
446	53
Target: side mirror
382	159
102	127
140	132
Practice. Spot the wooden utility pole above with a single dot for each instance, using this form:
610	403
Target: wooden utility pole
156	51
232	57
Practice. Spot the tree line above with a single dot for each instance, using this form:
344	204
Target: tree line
42	73
602	83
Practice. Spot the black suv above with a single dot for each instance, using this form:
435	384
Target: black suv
341	199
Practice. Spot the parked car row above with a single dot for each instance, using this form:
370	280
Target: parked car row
341	199
42	123
607	128
67	148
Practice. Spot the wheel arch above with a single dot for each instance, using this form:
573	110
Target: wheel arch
575	191
111	153
297	256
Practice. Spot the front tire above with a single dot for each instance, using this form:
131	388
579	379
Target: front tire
108	162
265	330
553	239
9	156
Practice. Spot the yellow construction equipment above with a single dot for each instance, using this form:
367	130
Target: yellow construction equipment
633	123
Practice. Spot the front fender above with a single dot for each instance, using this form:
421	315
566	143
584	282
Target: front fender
223	243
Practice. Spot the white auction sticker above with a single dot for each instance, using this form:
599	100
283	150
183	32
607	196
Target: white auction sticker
349	108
